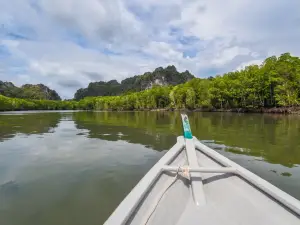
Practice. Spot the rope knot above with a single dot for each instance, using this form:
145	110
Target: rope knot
185	170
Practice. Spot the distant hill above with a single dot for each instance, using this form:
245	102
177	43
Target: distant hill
9	89
160	76
29	91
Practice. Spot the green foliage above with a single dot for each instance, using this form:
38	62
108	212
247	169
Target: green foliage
190	98
15	104
9	89
28	91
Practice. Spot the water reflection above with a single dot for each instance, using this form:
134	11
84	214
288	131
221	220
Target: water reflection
148	129
38	123
65	178
274	138
75	167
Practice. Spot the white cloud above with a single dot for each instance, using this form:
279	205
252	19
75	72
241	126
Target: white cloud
228	54
107	21
252	62
67	44
162	50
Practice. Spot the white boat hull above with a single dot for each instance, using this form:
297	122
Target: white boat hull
229	194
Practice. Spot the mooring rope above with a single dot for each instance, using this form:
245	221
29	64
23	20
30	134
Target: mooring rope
186	173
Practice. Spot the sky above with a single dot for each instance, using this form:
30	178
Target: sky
66	44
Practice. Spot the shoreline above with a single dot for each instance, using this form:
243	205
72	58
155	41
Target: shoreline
274	110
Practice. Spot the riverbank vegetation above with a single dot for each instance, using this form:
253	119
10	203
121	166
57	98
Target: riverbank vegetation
16	104
273	84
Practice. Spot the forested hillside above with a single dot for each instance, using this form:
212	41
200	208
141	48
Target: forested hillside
274	83
28	91
160	77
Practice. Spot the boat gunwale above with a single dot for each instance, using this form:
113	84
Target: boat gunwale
272	191
126	208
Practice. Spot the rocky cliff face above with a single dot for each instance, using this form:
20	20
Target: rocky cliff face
9	89
39	91
160	76
5	85
30	91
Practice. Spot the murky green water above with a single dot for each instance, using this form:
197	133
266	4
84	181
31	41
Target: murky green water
75	167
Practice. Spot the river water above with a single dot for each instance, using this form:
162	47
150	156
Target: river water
72	168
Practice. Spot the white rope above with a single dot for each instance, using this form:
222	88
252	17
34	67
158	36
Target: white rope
185	172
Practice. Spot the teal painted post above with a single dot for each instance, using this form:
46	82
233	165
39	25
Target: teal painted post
187	133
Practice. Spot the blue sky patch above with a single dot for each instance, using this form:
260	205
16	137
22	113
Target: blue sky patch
191	53
4	51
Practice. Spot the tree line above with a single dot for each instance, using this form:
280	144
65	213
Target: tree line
16	104
274	83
